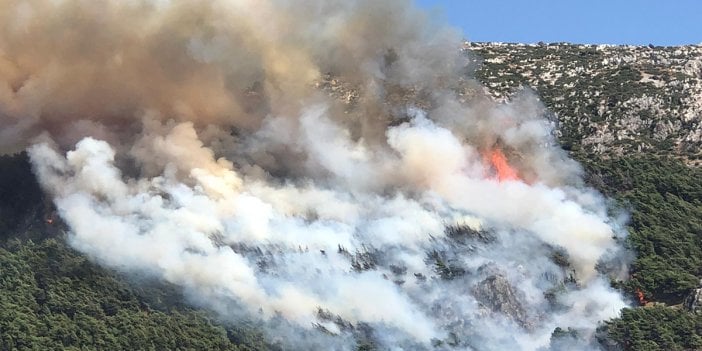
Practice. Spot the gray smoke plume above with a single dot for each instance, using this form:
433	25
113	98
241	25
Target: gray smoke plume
324	167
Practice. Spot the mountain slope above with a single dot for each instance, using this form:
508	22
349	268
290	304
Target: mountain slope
630	115
609	100
633	117
53	298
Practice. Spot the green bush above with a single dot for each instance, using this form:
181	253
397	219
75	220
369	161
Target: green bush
655	328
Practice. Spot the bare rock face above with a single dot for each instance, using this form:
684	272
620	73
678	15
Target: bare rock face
497	294
693	302
608	100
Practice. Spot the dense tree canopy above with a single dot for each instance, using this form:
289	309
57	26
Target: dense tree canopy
53	298
664	200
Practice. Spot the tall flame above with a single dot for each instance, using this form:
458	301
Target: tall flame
498	161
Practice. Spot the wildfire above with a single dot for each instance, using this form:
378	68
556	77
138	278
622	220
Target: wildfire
503	171
49	221
640	296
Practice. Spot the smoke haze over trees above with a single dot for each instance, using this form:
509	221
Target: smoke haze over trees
277	168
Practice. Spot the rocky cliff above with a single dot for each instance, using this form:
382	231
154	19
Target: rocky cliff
608	100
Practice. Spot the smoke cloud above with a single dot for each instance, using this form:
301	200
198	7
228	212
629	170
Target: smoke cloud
325	167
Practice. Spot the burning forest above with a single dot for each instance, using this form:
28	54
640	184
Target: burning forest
195	143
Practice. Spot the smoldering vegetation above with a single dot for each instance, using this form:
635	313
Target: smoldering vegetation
313	165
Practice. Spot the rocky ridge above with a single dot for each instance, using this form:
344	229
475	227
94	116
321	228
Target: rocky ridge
608	100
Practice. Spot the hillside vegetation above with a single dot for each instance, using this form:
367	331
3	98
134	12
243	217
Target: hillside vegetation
609	100
53	298
631	115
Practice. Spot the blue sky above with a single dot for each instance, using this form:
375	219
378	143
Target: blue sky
671	22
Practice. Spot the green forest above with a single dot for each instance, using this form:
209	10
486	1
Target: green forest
53	298
664	200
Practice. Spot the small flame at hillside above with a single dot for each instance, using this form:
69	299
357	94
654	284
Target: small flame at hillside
316	166
641	297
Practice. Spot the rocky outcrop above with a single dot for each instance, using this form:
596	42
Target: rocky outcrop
497	294
693	302
608	100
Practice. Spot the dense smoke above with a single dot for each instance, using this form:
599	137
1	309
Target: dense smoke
325	167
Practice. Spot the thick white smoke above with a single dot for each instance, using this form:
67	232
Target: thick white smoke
326	164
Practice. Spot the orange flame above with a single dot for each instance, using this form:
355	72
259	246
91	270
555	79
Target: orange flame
49	221
640	296
498	161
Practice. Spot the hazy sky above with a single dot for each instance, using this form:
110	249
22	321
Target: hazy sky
671	22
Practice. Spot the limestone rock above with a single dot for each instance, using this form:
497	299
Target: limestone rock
497	294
